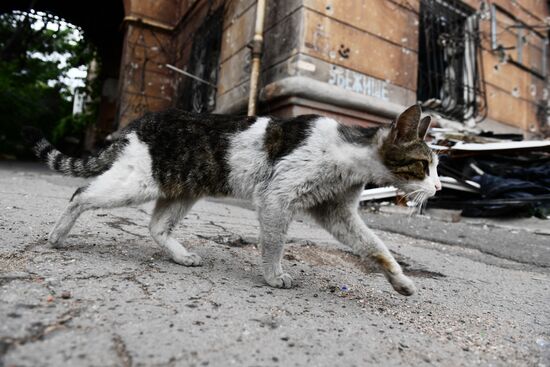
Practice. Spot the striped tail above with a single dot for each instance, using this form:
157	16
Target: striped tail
79	167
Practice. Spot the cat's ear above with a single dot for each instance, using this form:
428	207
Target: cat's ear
405	128
423	127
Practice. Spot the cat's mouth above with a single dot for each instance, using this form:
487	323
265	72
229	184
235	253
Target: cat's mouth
416	198
416	194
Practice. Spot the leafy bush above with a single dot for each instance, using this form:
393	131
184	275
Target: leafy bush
36	51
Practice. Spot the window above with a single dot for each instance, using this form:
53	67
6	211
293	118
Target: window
194	95
449	72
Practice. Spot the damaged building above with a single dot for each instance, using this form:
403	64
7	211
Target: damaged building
479	63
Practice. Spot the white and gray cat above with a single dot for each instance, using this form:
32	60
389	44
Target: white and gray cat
308	163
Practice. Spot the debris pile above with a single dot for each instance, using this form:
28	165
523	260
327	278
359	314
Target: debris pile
492	175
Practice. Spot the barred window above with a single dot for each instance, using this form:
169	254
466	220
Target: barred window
203	63
450	78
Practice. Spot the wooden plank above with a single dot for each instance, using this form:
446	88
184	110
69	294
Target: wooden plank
503	107
367	54
384	19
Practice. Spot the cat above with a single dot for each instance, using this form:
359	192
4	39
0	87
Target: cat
307	163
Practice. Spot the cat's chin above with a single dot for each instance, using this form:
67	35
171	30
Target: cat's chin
417	189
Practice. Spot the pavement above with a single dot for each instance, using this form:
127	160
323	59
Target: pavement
111	297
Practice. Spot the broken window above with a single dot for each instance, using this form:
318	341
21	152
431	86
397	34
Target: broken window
449	72
195	95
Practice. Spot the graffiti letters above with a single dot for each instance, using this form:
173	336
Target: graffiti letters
358	83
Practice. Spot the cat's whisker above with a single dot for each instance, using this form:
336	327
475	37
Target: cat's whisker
422	204
414	194
410	197
425	202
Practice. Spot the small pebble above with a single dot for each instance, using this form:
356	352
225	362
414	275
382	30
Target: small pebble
65	294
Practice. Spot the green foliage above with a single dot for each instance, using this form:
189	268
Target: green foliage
32	90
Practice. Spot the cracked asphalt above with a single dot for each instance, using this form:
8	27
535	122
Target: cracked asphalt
111	297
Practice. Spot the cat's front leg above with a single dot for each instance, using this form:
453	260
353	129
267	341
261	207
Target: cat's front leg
274	222
343	221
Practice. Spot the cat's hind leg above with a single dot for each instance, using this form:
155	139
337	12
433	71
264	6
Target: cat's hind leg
103	192
344	223
67	219
128	182
166	215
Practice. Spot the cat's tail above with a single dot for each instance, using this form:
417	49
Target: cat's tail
79	167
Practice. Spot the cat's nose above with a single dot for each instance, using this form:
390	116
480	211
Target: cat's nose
437	186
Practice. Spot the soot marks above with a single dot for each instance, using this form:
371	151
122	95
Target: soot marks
282	136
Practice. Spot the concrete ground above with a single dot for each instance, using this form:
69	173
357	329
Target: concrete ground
111	297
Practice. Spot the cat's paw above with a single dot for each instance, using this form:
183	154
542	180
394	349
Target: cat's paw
188	259
402	284
55	244
54	240
279	281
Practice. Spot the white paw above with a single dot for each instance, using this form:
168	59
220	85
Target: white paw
402	284
188	259
279	281
54	243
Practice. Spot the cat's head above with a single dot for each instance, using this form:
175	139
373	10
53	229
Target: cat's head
411	163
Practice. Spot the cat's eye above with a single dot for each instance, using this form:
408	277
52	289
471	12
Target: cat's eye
426	167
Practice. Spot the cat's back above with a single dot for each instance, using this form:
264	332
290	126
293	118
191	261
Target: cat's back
179	124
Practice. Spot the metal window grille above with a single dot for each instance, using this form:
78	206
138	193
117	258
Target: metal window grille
450	79
195	95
